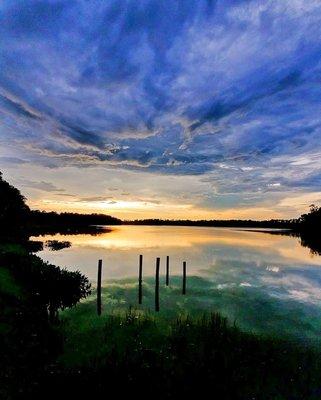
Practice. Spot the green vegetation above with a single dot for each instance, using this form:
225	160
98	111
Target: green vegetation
140	354
250	309
31	293
184	350
8	284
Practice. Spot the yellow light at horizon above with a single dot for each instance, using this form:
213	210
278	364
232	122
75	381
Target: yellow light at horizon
125	209
141	209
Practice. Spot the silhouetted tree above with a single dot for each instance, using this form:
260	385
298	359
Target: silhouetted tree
13	209
69	219
309	229
312	220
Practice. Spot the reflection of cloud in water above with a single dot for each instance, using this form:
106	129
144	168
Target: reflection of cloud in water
194	239
272	268
251	309
245	284
285	283
298	287
225	285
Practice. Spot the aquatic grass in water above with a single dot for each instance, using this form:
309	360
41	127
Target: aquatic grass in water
252	310
184	350
152	356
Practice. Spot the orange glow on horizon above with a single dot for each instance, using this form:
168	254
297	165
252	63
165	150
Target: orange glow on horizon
130	210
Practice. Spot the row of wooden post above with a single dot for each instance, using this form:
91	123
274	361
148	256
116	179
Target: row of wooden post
140	282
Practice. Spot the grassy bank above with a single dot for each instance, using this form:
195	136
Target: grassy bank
150	356
179	352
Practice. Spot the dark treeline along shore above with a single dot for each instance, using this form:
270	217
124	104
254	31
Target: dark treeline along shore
241	223
48	353
18	215
306	222
42	221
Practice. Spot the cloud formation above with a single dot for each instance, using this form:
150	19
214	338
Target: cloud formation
227	91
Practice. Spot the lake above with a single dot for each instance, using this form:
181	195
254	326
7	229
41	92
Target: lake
265	282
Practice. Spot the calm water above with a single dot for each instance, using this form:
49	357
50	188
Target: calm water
262	281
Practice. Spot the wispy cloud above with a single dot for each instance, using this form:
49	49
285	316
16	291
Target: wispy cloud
227	90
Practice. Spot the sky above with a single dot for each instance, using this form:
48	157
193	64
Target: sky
166	109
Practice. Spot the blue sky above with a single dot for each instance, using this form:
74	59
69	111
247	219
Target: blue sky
166	108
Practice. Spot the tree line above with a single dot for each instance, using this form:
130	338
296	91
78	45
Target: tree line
272	223
14	212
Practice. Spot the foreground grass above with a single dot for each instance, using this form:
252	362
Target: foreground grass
148	356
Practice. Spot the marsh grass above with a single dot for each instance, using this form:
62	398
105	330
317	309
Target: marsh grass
184	351
146	355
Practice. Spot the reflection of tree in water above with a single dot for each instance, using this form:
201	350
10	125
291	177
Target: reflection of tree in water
309	229
312	241
31	293
56	245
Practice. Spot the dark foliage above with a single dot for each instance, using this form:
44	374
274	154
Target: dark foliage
41	230
196	359
29	336
16	217
48	286
56	245
13	209
33	246
311	221
50	220
308	229
28	343
312	241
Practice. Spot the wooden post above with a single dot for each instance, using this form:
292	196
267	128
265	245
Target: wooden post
167	270
140	280
157	285
100	264
184	277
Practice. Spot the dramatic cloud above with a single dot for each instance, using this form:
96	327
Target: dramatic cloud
226	92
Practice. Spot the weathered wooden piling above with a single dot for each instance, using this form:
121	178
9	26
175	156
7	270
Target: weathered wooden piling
184	278
157	285
100	264
167	270
140	280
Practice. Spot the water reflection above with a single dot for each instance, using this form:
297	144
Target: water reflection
257	278
203	249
